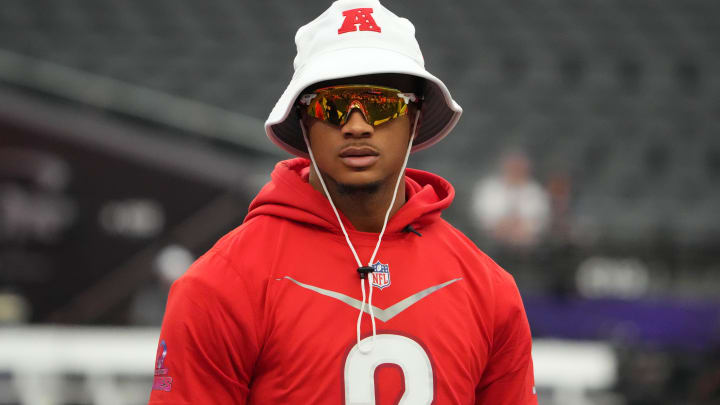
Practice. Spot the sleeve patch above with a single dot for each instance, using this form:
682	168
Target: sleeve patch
162	381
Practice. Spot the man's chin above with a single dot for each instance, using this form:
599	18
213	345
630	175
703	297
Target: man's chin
358	188
355	183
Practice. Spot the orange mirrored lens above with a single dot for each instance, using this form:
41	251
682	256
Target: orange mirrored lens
378	104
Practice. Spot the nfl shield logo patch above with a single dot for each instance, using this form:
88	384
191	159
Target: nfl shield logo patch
381	276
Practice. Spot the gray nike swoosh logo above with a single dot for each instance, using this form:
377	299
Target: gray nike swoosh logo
382	314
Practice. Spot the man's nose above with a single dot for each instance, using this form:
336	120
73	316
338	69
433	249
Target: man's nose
356	126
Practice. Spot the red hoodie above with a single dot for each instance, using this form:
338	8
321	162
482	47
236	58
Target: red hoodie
268	315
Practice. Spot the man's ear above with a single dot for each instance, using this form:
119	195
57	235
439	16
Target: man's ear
304	119
302	115
414	110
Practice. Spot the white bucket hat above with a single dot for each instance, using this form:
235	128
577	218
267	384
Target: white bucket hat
354	38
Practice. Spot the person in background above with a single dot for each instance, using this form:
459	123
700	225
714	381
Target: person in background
510	206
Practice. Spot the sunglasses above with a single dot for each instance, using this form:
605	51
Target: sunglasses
378	104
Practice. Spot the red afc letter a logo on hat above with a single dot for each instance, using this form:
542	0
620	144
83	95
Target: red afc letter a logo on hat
358	19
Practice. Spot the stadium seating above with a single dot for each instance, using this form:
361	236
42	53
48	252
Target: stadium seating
621	95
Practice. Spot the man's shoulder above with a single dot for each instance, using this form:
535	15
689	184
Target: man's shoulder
468	250
247	236
229	260
460	240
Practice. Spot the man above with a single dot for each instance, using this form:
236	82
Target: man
273	313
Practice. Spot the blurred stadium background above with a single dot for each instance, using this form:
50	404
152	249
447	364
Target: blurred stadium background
131	139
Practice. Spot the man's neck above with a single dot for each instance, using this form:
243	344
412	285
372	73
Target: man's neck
363	208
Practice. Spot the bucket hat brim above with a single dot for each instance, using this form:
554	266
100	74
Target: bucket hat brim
439	112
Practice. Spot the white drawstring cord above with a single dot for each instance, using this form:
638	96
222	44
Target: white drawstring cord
382	232
347	238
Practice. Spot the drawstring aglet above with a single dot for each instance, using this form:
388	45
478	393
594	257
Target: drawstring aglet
410	228
364	270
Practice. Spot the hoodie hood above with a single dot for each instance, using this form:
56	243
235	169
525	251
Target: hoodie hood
289	195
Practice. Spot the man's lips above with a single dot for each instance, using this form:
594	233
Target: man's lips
359	156
352	151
